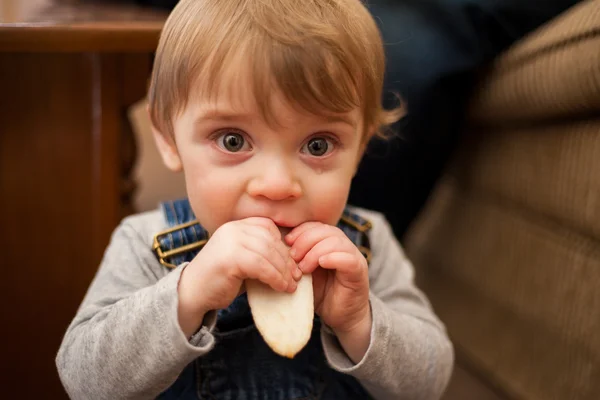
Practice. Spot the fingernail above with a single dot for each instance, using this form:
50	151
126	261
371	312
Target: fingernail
293	252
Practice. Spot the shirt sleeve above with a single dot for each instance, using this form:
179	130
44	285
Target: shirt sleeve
125	340
410	355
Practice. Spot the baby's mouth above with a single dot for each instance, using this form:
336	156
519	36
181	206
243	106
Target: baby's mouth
284	230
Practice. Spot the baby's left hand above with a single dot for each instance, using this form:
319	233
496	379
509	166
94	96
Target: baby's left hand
341	285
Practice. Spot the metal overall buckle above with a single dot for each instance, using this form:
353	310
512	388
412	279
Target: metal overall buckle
163	255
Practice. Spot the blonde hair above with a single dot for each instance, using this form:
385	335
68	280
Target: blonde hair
322	55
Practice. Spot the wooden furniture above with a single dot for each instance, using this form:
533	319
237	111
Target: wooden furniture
68	72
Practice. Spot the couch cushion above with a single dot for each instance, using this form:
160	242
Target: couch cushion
508	250
466	385
550	171
517	292
552	73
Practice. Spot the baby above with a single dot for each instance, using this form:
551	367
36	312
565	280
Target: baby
266	106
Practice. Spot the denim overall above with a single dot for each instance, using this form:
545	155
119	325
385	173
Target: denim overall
241	366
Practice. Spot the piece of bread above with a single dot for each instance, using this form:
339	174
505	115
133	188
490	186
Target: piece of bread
283	319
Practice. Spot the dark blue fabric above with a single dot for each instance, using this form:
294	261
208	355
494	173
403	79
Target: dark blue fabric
241	366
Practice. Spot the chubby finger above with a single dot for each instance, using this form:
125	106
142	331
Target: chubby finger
253	265
264	223
308	239
282	249
293	265
331	244
265	235
268	249
291	237
351	269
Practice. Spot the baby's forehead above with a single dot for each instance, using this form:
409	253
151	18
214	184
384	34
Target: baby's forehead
238	87
276	112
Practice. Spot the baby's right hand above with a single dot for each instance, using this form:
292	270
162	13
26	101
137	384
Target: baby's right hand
246	249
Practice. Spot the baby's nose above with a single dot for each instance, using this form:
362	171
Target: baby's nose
275	182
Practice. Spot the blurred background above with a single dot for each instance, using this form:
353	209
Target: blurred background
507	246
155	182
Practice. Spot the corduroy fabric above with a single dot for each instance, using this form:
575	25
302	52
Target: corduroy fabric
518	293
551	74
550	170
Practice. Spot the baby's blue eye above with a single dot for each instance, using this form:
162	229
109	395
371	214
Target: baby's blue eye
233	142
318	147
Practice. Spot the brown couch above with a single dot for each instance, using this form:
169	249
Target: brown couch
508	248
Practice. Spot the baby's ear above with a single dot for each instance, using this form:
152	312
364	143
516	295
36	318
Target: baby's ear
167	149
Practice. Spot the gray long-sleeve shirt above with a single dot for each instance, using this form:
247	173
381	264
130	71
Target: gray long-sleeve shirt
125	341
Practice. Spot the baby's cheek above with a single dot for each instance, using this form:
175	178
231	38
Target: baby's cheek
330	202
212	204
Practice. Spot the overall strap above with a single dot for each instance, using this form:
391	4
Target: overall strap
185	237
356	228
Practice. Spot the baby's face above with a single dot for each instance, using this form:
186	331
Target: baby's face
237	165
